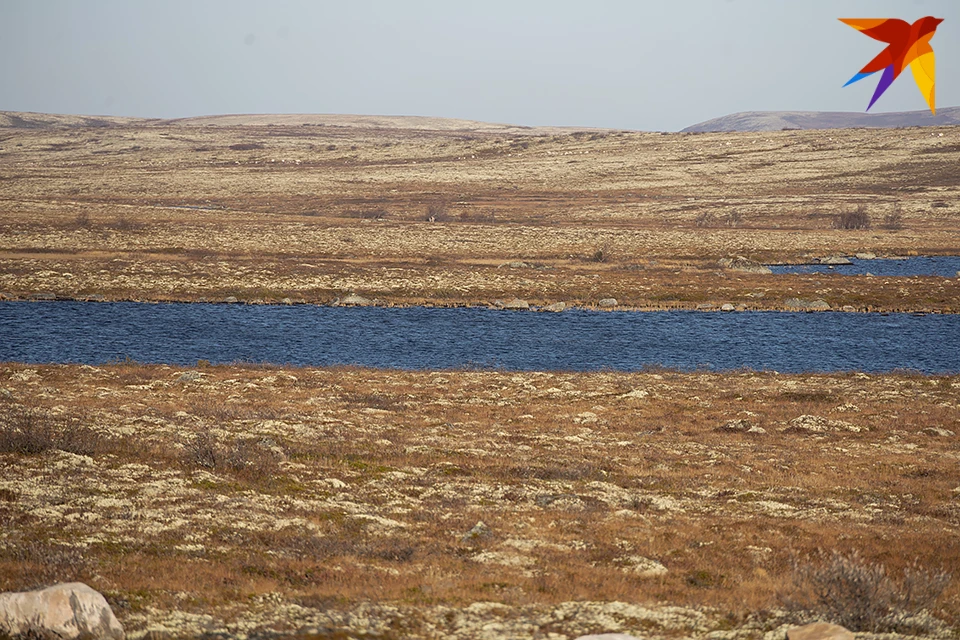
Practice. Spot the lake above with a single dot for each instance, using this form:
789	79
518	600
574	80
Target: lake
943	266
424	338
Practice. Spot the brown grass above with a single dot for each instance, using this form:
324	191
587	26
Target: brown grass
343	486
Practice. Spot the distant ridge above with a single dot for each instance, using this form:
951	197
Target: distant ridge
777	120
30	120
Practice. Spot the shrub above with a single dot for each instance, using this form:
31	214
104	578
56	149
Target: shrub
894	219
246	146
602	254
82	221
202	451
704	219
123	223
437	212
30	431
859	218
860	595
252	459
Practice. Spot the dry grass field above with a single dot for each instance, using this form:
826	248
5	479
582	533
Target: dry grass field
343	502
249	501
452	213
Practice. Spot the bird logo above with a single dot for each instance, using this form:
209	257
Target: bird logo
907	44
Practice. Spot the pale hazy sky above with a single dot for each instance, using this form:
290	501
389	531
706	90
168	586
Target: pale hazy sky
630	64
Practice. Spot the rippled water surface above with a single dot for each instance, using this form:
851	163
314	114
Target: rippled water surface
945	266
418	338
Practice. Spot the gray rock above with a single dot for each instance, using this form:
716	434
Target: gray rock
64	611
740	426
556	307
190	376
937	432
42	296
806	305
643	567
608	303
516	305
835	260
728	307
818	424
286	301
479	530
230	300
735	426
819	305
866	255
819	631
705	306
353	300
743	264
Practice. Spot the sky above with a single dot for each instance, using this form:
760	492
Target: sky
627	64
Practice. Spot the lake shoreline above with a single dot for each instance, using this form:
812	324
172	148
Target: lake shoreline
535	305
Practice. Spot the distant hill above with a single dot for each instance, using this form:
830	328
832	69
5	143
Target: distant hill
29	120
777	120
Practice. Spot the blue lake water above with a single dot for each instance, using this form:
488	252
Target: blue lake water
944	266
420	338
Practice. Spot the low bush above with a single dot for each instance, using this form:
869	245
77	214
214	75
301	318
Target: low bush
859	218
32	431
860	595
894	219
252	459
437	212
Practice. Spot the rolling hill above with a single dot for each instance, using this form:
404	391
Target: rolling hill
778	120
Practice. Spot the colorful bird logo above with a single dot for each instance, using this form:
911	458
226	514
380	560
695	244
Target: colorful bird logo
906	44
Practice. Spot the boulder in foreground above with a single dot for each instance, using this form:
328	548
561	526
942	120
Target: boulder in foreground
66	611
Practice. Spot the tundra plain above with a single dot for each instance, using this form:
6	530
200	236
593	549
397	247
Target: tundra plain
312	209
472	504
257	501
